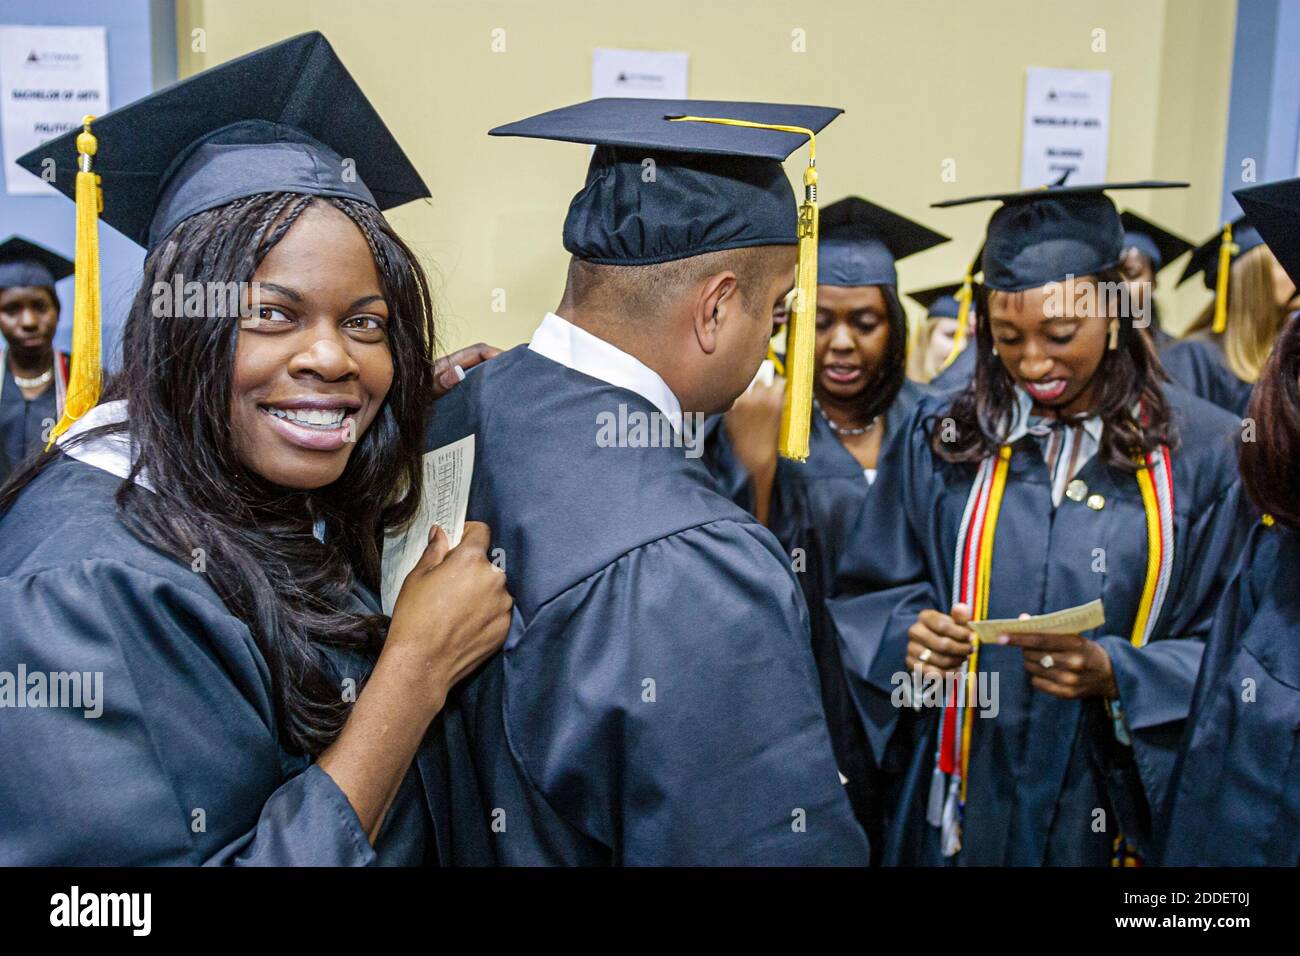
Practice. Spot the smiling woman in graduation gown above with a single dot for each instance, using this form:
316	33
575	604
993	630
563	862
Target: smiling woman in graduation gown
1223	350
1010	498
1235	800
33	376
193	667
862	395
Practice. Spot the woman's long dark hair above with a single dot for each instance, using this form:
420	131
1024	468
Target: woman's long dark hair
879	393
292	590
1270	465
1128	376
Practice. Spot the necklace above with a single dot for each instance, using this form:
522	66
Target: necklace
36	382
846	432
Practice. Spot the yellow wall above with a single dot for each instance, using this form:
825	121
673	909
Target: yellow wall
921	81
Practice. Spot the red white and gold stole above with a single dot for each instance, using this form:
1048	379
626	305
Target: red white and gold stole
972	573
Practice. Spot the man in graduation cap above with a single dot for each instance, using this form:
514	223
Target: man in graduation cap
33	377
1148	249
656	701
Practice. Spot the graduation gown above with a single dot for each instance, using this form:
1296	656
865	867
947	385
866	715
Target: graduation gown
21	421
183	765
957	374
656	701
1040	767
814	504
1199	367
1236	796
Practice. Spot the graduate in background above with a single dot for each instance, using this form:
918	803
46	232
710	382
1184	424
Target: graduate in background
33	377
1235	800
956	368
657	700
195	565
1223	350
938	334
1064	472
1148	249
861	394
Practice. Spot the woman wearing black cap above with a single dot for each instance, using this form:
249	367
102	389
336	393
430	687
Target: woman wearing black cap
861	395
194	666
33	377
1235	800
1064	473
1224	349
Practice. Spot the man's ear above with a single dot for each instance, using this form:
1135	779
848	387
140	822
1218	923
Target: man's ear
715	303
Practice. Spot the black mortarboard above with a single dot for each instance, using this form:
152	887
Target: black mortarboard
287	118
1274	211
1205	259
939	302
711	187
1040	236
860	243
24	263
1155	242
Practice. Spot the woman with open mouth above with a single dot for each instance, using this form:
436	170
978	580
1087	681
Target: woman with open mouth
194	566
1235	800
861	395
1065	472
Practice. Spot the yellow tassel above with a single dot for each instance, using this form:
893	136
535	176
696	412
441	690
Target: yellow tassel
801	333
964	298
801	339
1226	251
86	376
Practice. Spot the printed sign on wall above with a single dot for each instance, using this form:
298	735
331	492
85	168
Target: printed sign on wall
1067	127
50	77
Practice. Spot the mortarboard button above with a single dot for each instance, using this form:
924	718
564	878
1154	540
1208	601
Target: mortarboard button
1076	490
1096	502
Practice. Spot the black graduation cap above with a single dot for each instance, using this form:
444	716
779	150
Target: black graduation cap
1273	209
711	186
284	118
1040	236
939	302
24	263
1205	259
1155	242
860	243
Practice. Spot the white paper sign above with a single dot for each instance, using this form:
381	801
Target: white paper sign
648	74
447	474
1067	126
50	77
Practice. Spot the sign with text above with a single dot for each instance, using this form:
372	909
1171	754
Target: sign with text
50	77
1067	127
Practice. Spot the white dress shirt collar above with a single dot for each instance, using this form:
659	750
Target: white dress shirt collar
561	341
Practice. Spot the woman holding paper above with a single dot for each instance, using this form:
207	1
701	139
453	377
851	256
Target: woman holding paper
1065	472
186	584
1236	796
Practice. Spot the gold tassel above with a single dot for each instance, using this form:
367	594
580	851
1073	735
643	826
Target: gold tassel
964	298
86	376
1226	251
801	332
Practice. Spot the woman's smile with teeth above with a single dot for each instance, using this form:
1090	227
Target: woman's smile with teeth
1048	389
310	417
